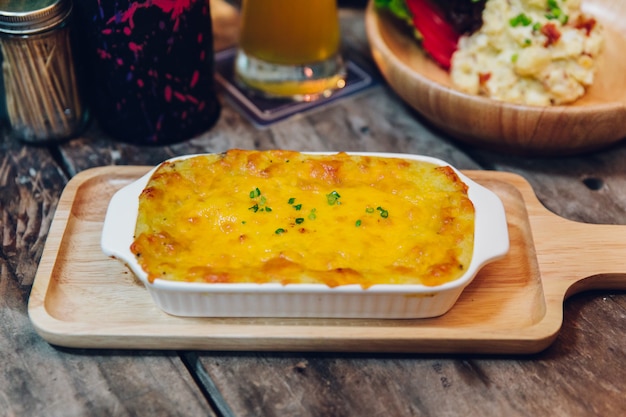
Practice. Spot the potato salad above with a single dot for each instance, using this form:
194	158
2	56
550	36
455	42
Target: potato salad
531	52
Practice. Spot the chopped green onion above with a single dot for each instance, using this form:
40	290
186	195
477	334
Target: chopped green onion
291	200
255	193
279	231
312	214
298	207
299	220
520	19
333	198
369	210
358	223
254	208
383	213
556	13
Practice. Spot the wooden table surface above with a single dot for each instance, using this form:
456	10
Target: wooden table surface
583	373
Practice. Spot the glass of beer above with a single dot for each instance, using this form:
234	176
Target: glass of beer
290	49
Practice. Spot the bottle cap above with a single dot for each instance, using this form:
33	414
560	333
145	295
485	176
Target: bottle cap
24	17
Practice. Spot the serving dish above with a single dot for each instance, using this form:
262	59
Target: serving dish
595	121
491	242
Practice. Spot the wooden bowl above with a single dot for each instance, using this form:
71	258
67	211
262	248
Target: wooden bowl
596	120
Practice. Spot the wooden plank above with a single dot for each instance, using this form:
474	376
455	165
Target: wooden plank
39	379
31	183
564	380
587	188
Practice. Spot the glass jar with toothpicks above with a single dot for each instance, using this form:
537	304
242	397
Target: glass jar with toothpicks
43	100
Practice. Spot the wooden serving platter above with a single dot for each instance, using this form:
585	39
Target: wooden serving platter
81	298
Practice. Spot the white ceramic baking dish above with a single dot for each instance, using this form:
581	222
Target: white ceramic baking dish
491	242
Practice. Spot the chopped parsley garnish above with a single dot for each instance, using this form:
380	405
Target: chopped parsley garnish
555	12
292	200
333	198
255	193
255	208
520	20
258	206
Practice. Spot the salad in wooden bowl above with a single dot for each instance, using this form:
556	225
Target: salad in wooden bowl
532	77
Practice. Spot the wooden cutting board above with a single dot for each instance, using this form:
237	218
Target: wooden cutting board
81	298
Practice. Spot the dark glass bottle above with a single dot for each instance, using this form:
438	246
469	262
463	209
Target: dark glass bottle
151	68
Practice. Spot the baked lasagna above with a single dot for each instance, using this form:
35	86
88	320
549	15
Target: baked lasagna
292	218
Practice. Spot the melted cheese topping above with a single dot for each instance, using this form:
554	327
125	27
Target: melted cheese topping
287	217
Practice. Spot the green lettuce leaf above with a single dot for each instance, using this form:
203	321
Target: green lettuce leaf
397	8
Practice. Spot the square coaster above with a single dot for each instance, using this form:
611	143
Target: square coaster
264	111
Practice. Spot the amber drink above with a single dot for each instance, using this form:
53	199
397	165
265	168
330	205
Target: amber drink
290	48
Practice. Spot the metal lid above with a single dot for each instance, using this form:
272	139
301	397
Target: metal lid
23	17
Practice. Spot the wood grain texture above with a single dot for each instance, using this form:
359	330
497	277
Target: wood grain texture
554	383
39	379
580	374
30	185
587	188
594	121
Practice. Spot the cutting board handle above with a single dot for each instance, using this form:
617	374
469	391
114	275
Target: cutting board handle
581	256
572	256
